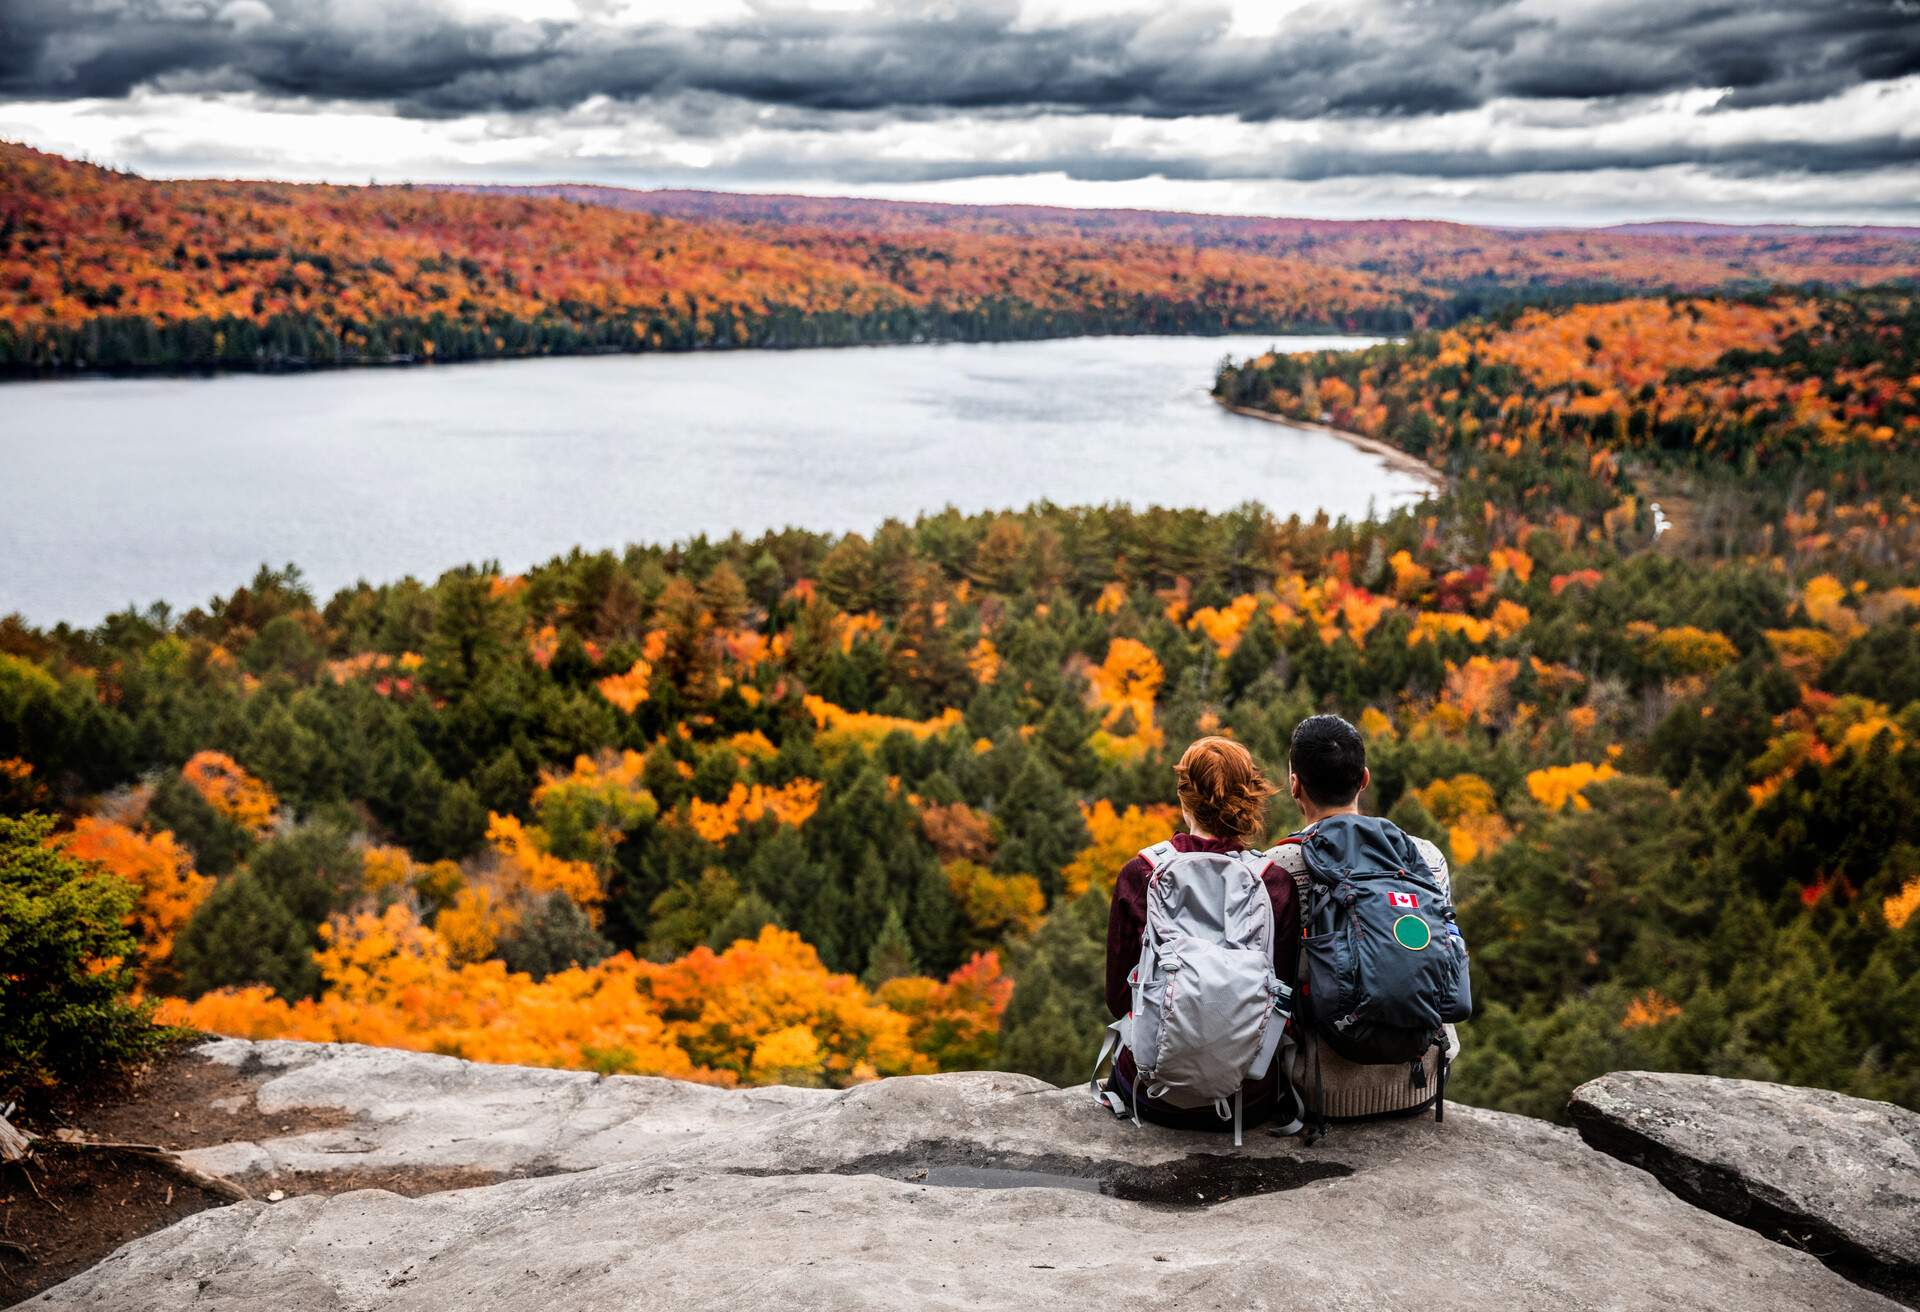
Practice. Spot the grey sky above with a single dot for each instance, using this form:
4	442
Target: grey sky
1533	111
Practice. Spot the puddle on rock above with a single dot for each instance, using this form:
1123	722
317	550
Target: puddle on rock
1196	1180
1004	1177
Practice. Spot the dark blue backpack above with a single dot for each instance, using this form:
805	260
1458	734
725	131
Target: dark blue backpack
1382	964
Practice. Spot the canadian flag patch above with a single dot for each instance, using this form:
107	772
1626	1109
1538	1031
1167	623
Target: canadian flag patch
1408	900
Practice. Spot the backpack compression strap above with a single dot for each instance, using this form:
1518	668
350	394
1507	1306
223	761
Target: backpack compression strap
1117	1037
1280	1037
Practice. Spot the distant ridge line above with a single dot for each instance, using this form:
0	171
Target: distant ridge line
776	206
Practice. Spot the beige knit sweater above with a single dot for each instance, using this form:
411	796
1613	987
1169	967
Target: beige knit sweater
1346	1089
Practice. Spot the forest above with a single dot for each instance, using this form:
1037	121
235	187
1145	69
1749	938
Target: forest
106	270
805	809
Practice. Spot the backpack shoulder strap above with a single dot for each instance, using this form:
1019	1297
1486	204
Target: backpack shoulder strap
1289	853
1159	854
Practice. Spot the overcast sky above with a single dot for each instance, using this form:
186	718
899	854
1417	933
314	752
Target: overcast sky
1535	111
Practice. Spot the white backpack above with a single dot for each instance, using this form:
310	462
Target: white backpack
1208	1013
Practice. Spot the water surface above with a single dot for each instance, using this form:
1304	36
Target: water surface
128	491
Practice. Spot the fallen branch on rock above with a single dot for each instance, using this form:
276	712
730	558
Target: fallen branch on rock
17	1145
154	1155
14	1144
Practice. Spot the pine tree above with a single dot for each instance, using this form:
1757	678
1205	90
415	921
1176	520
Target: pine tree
1044	829
725	596
65	1013
243	934
313	871
935	923
687	913
217	843
1052	1025
1062	736
1414	818
749	916
471	632
891	955
555	935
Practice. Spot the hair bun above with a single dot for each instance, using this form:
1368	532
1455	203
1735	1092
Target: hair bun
1223	789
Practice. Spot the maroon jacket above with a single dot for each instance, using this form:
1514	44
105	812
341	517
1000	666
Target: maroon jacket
1128	919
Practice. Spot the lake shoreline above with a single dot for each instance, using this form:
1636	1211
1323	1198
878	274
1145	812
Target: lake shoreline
1404	461
296	366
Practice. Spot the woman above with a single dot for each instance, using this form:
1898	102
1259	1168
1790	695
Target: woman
1223	800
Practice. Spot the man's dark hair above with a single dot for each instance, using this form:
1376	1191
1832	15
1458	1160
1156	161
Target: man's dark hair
1328	758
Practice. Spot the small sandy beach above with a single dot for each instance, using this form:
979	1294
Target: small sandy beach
1393	455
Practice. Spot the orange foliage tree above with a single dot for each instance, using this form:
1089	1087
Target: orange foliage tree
231	791
158	867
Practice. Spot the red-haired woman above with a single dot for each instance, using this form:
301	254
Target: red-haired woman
1223	799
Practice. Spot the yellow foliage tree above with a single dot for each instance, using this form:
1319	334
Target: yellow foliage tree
1124	687
526	867
1648	1010
1482	688
473	924
231	791
1899	907
1824	599
1557	785
789	804
1118	836
1690	650
841	729
1804	653
1410	580
995	905
628	689
1466	805
723	1018
984	661
585	813
1225	624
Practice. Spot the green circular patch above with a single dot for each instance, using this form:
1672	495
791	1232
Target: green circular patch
1411	932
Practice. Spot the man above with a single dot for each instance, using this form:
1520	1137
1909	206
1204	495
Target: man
1326	774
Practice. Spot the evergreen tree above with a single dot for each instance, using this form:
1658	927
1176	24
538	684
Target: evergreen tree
1062	737
935	925
243	934
891	955
749	916
471	632
555	935
65	1014
1415	819
1043	826
1052	1024
725	596
313	871
217	843
687	914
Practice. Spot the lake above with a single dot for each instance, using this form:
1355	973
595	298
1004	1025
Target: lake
122	491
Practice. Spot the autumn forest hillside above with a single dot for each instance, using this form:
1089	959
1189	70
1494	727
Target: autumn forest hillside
100	269
806	809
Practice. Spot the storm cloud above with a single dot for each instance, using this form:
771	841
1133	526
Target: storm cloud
1377	60
927	93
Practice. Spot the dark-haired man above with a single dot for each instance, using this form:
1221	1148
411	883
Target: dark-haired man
1326	774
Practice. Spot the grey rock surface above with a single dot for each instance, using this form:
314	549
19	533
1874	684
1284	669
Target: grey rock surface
841	1200
421	1110
1836	1175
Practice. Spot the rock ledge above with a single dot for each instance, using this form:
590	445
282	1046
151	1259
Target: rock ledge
973	1191
1836	1176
